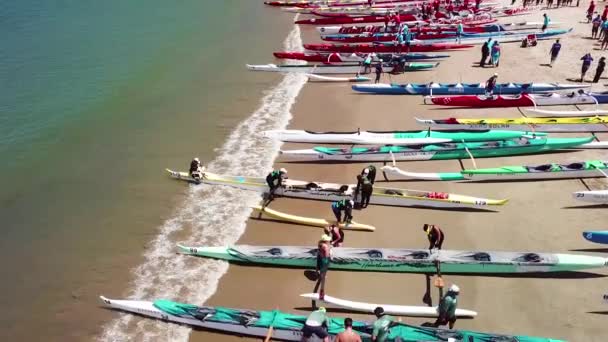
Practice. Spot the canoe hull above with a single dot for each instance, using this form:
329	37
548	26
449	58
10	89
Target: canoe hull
464	89
593	196
542	126
596	236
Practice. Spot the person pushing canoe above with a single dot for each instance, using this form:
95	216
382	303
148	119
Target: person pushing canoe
316	324
382	325
343	205
447	307
196	169
491	84
275	180
434	234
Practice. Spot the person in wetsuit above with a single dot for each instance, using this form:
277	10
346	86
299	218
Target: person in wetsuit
343	205
275	181
435	236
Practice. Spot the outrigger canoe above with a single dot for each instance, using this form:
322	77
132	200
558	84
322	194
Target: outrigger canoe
461	88
288	327
307	221
556	125
592	196
389	309
320	78
346	68
584	169
368	48
353	20
352	57
597	236
444	151
335	192
324	30
392	137
401	260
524	100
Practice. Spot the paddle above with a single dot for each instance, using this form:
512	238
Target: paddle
271	327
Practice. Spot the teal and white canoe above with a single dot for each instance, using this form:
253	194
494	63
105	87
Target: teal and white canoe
443	151
583	169
393	137
336	192
288	327
401	260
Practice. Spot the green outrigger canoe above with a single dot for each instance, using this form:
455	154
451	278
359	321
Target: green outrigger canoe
443	151
583	169
402	260
288	327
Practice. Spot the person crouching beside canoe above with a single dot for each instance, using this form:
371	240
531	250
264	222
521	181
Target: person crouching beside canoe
343	205
447	307
435	236
323	261
336	233
382	325
491	84
196	169
316	324
275	180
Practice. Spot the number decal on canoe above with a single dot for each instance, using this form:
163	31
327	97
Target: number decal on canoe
193	250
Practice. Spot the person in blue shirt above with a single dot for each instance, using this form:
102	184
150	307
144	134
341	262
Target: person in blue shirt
554	52
587	59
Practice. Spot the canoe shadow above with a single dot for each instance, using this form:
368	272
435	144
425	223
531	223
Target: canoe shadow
593	250
598	312
590	206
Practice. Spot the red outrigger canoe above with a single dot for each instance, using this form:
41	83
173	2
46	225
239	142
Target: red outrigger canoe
353	20
388	37
367	48
482	101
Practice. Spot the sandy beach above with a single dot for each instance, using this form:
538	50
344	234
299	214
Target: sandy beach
540	216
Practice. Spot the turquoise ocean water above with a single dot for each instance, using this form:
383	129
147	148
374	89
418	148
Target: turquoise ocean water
97	98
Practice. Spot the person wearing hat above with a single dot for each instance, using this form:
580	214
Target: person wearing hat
343	205
348	335
275	180
491	84
316	324
196	169
447	307
434	234
601	65
323	261
382	325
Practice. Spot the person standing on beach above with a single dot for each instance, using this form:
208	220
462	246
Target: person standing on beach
495	54
378	71
274	180
367	63
601	65
348	335
382	325
316	324
366	189
491	84
323	261
343	205
447	307
546	22
434	234
587	59
595	26
485	52
590	11
605	41
554	52
459	32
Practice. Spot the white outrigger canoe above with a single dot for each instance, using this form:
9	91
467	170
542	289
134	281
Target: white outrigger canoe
308	221
542	113
320	78
390	309
342	68
336	192
547	125
592	196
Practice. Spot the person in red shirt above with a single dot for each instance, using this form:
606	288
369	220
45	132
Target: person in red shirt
435	236
605	14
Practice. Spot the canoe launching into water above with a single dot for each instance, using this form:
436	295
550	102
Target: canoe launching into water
336	192
401	260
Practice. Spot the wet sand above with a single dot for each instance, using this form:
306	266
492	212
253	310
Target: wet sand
540	216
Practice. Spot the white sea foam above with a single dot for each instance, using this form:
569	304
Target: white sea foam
209	216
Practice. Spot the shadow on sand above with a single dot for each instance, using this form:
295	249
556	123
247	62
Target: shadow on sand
592	250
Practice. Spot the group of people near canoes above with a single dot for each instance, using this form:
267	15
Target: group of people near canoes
558	3
318	321
599	25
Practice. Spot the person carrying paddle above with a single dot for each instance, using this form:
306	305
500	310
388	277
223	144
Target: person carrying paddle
336	233
323	261
600	69
587	59
196	169
382	325
491	84
447	307
348	335
343	205
554	52
275	180
434	234
316	324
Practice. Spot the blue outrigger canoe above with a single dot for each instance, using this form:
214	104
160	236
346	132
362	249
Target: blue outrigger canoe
462	88
598	236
